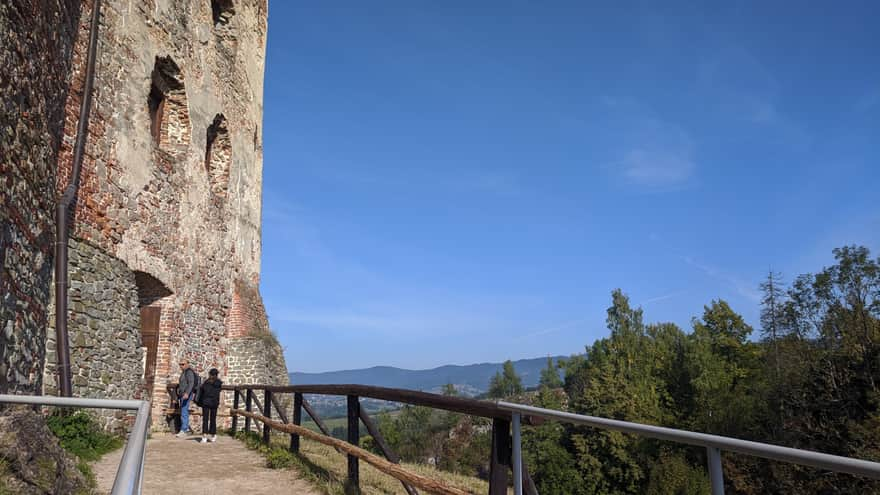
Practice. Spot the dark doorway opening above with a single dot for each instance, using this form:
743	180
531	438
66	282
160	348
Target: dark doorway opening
150	317
150	291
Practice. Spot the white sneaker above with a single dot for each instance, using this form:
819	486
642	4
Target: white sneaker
181	434
204	440
213	438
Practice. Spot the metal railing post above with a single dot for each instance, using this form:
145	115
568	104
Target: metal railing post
129	478
267	411
517	455
297	420
248	401
236	396
716	472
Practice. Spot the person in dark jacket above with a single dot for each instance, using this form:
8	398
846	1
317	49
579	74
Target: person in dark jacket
185	393
210	401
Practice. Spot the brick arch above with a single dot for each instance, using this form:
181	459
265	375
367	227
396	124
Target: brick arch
150	289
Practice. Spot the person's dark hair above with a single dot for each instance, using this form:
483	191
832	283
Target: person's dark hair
212	375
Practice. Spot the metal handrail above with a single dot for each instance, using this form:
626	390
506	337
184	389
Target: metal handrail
130	474
713	443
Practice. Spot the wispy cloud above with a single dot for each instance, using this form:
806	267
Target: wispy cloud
743	288
658	167
736	85
397	318
655	153
660	298
356	298
642	148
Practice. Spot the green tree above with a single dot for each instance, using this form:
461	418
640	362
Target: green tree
621	377
726	372
772	315
550	376
505	383
449	390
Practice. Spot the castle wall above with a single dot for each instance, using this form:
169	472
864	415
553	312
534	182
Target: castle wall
155	196
167	218
107	360
36	55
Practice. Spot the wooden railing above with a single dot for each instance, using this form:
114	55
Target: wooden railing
500	455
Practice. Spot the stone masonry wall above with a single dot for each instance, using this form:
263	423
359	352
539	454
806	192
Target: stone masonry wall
256	360
150	211
165	70
107	360
36	54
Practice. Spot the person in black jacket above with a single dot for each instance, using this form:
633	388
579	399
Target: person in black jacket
210	400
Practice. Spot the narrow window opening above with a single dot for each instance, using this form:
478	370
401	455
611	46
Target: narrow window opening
169	116
222	11
218	156
156	103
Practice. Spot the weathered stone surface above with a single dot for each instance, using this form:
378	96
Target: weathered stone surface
36	56
34	462
168	211
103	330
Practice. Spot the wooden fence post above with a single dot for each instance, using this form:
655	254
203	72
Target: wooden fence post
354	406
267	411
235	406
248	401
500	457
297	420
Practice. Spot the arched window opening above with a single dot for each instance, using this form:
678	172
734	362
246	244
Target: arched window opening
218	156
222	11
169	116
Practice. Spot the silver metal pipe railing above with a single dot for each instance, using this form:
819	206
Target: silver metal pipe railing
714	444
130	474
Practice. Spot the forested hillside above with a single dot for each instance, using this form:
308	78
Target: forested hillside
472	379
807	379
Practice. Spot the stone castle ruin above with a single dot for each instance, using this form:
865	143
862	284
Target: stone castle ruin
164	250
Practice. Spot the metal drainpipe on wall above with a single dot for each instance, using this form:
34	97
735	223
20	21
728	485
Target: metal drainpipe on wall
62	213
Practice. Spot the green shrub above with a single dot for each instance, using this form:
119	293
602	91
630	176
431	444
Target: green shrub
251	440
80	435
278	458
4	472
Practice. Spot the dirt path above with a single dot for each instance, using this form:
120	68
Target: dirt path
221	468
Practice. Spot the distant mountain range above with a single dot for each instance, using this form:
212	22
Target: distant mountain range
469	380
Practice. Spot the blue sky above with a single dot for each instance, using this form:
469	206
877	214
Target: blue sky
460	182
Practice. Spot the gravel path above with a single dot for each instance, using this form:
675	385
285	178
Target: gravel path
224	467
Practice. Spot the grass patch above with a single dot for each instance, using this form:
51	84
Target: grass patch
278	458
4	472
327	470
266	336
80	435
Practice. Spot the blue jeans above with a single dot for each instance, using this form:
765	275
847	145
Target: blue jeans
184	414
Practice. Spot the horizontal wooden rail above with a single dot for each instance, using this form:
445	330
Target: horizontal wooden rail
389	468
463	405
